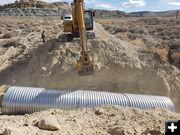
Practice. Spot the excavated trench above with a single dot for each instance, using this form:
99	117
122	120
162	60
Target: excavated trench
118	69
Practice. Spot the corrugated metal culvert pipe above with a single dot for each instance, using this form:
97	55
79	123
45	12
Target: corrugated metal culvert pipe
21	100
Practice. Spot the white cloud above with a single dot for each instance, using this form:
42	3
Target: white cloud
90	0
134	3
171	2
102	5
174	3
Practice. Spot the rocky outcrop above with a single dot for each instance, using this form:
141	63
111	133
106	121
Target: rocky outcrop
34	8
108	14
37	4
154	14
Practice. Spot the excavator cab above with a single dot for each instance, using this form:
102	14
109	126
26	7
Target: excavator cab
88	18
70	33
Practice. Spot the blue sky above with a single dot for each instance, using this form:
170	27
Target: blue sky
125	5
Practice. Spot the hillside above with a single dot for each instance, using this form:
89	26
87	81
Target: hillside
34	8
108	14
171	13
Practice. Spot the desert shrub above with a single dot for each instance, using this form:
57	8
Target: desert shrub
165	37
152	21
9	25
160	28
132	30
144	39
22	27
140	31
152	31
7	35
174	32
11	43
163	54
177	21
132	36
136	30
117	30
107	27
175	44
175	57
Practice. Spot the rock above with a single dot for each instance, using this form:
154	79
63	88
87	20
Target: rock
48	123
12	131
116	131
11	43
153	132
7	35
1	98
99	111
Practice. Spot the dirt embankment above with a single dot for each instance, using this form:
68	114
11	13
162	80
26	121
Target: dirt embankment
107	120
157	40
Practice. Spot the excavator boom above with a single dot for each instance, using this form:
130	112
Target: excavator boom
85	64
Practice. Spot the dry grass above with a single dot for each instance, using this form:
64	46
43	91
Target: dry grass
176	58
151	32
163	54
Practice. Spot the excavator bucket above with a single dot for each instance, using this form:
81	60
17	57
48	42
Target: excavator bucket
86	70
85	64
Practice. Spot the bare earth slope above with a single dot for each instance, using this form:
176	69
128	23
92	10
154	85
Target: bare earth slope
118	64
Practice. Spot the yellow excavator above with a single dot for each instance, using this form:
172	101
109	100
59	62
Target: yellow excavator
80	25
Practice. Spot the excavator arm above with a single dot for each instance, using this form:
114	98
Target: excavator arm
85	64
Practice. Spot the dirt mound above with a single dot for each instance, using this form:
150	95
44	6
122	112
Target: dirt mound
99	121
116	70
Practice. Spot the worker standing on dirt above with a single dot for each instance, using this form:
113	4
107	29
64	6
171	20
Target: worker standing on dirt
43	36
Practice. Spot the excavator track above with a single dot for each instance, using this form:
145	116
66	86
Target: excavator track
65	37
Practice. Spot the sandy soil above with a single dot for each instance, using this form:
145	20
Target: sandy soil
107	120
120	65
